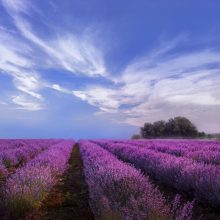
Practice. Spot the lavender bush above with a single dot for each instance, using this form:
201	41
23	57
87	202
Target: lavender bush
197	179
3	172
119	191
24	151
29	185
200	151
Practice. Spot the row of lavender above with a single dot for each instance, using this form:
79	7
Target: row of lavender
8	144
120	191
198	180
27	187
15	153
200	151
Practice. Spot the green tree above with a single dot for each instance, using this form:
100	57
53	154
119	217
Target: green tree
147	131
174	127
159	128
136	136
184	127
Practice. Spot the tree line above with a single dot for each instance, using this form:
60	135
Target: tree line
174	128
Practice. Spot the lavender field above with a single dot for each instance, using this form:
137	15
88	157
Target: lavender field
109	179
109	110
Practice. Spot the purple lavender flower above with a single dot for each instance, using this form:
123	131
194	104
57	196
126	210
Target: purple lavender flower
118	189
28	186
185	174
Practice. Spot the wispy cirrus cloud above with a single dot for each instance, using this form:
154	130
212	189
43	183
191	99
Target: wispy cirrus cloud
3	103
73	53
23	53
13	6
26	103
59	88
161	86
16	62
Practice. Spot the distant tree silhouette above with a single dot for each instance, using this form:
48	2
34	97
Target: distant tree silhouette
174	127
159	128
147	130
136	136
181	126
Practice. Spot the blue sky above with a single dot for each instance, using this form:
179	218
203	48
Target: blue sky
100	69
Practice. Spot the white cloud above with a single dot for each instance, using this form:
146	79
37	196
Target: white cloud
14	6
76	54
26	103
159	87
99	96
59	88
28	83
23	53
3	103
15	61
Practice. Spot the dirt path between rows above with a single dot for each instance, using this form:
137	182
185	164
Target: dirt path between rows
69	197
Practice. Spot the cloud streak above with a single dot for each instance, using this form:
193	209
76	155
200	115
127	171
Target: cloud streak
25	103
76	54
23	53
15	62
158	87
